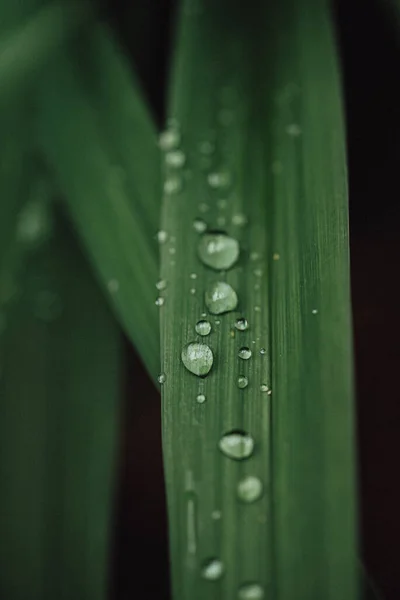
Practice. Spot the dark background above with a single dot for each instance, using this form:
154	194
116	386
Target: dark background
369	41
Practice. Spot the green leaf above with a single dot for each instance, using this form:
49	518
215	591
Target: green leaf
99	139
59	390
255	101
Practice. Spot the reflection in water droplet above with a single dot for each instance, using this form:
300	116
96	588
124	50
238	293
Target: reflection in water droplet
239	219
161	378
175	159
169	139
162	236
203	327
242	382
160	301
197	358
244	353
212	569
218	250
221	179
241	324
200	398
249	489
161	285
199	225
251	591
237	445
220	298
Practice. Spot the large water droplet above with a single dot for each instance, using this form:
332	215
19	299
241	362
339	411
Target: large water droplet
220	298
197	358
199	225
241	324
175	159
249	489
212	569
203	327
244	353
218	251
251	591
237	445
242	382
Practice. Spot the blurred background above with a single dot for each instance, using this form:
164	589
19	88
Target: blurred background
369	40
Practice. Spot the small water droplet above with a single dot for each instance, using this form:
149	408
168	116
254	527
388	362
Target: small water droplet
218	250
161	285
251	591
217	321
161	378
293	129
314	311
264	387
263	351
269	392
258	272
113	286
239	219
192	291
175	159
172	185
222	204
203	327
220	179
193	275
244	353
197	358
200	398
172	250
220	298
276	256
242	382
257	308
160	301
212	569
169	139
237	444
199	225
249	489
162	236
241	324
203	207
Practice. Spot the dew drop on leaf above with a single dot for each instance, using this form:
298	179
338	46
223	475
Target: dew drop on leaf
251	591
237	444
244	353
220	298
162	236
203	327
199	225
197	358
218	251
172	185
169	139
161	284
160	301
161	378
242	382
212	569
249	489
175	159
200	398
241	324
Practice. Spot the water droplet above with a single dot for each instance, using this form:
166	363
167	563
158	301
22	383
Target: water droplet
200	398
34	223
269	392
293	129
276	256
237	445
217	321
263	351
199	225
47	306
161	378
203	207
220	298
161	285
175	159
203	327
113	286
314	311
257	308
212	569
172	185
197	358
169	139
160	301
193	275
222	204
242	382
218	251
244	353
251	591
162	236
192	291
241	324
264	387
258	272
239	219
249	489
218	180
216	515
